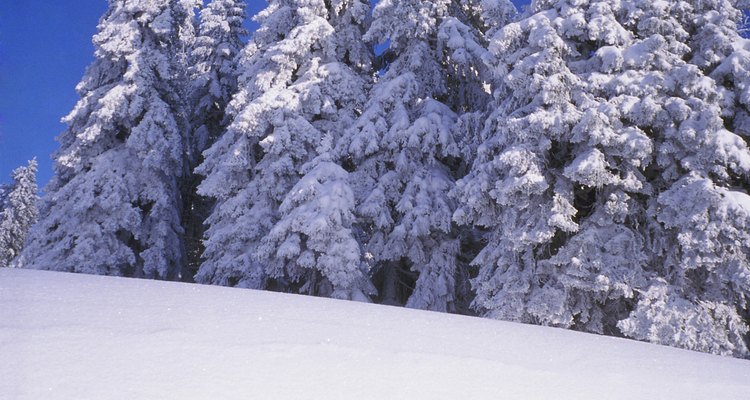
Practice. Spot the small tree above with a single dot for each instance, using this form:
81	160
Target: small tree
4	189
743	26
19	214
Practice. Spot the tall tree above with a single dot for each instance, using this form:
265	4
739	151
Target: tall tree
213	77
316	216
403	147
113	206
517	189
605	179
19	212
304	74
698	215
214	70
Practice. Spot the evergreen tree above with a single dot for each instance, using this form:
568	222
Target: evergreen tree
466	64
213	81
113	206
517	189
233	231
317	212
604	180
462	44
303	76
19	213
698	218
404	151
600	264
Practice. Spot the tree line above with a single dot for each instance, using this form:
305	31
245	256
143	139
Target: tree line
581	164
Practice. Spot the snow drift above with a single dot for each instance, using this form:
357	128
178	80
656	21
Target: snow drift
68	336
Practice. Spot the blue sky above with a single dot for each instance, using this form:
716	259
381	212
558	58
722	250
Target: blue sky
44	49
45	46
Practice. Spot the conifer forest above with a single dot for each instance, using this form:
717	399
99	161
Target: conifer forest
581	164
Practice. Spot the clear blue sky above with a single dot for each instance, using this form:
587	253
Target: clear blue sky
45	46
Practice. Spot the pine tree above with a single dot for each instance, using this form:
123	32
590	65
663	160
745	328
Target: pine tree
317	212
516	189
468	73
698	216
233	230
19	213
113	206
601	264
522	187
302	79
213	81
404	151
605	180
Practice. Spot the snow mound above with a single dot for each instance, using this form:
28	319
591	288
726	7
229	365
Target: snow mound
66	336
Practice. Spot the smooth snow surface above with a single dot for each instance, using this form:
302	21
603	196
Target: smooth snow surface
67	336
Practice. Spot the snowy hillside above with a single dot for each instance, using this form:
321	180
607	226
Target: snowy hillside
70	336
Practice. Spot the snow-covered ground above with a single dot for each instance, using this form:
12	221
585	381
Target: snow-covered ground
66	336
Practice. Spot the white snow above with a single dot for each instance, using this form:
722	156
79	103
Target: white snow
68	336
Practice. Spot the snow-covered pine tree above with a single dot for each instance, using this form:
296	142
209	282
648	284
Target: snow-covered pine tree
303	77
312	244
4	190
213	76
600	266
403	148
605	179
554	178
19	213
467	68
699	212
113	206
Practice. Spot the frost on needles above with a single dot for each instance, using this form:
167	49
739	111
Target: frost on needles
582	164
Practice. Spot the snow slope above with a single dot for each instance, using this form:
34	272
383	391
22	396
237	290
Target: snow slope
66	336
